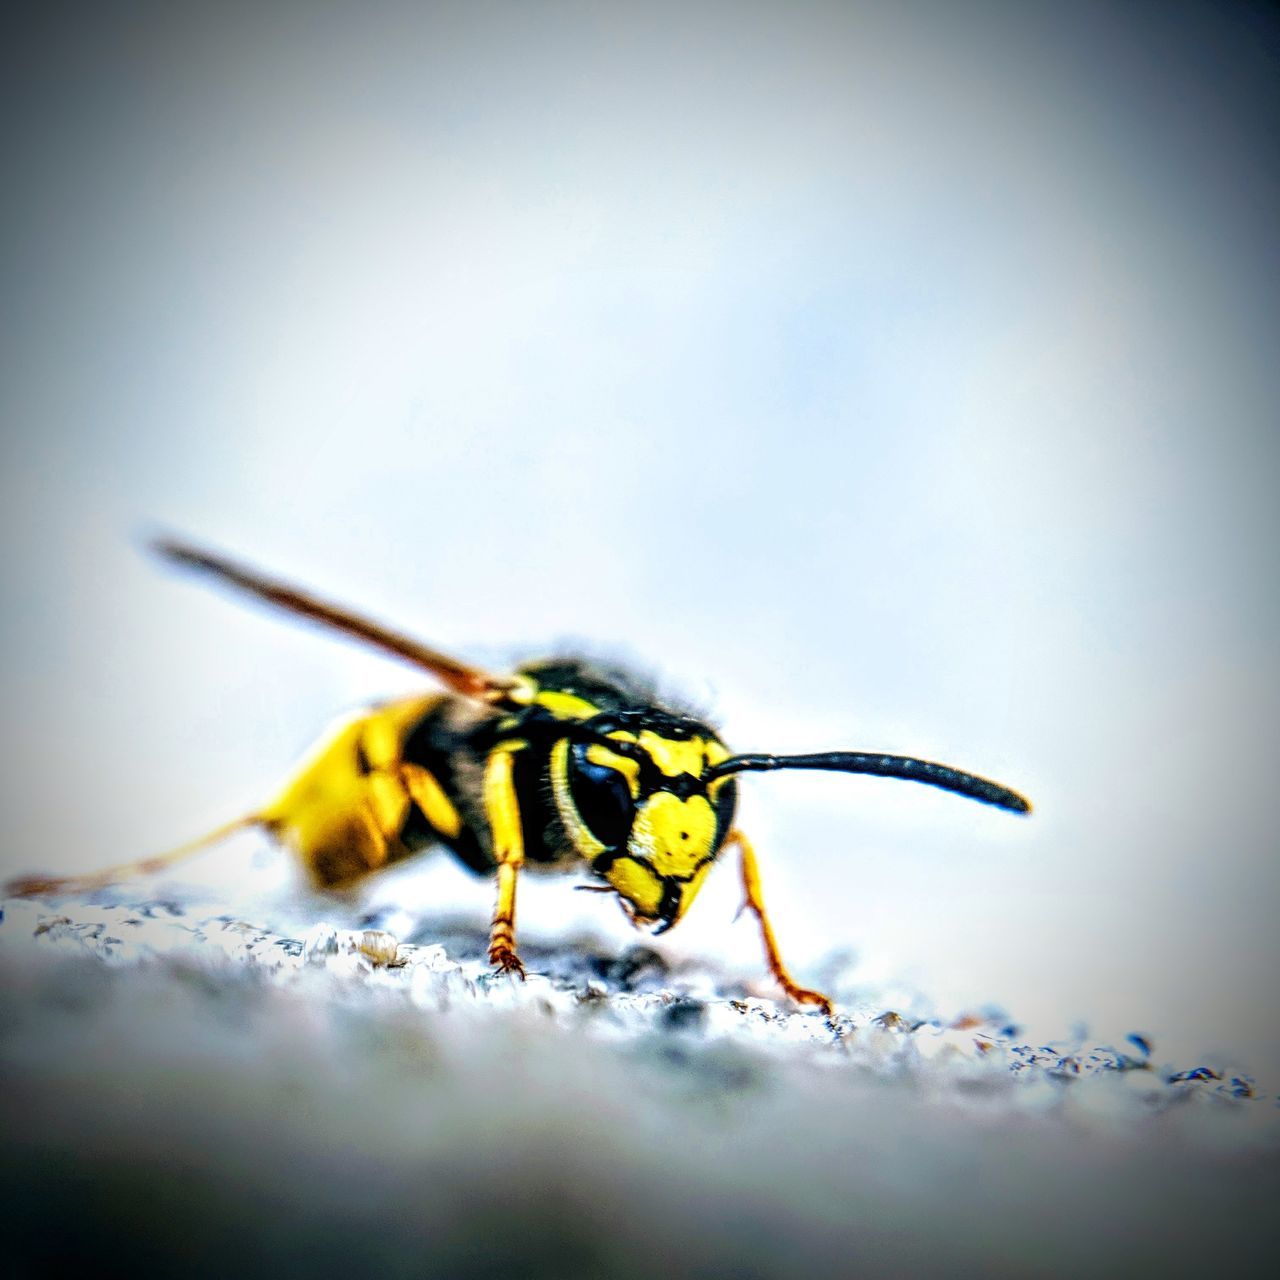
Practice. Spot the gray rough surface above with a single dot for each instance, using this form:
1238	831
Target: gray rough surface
190	1093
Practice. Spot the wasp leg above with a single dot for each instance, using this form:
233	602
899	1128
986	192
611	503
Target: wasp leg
429	796
508	849
35	885
755	903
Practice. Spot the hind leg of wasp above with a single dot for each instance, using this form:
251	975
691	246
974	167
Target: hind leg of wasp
508	850
34	885
754	902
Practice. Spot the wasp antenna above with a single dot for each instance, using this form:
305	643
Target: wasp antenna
458	676
882	766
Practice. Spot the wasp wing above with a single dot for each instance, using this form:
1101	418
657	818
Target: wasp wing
459	676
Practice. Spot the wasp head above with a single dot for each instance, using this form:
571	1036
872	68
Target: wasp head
638	805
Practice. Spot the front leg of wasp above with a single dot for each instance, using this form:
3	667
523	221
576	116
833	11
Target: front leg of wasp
503	811
754	902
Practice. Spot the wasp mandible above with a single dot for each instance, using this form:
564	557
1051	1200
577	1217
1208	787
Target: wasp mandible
560	765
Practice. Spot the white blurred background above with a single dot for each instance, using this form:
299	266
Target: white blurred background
883	377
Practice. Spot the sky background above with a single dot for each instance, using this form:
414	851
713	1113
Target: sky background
883	377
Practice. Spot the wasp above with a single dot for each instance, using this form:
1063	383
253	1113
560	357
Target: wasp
561	765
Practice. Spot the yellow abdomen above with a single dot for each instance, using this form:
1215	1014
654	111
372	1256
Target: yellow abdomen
343	814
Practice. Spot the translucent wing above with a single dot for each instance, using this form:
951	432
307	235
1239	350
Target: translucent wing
459	676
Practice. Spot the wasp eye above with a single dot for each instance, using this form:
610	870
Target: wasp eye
602	798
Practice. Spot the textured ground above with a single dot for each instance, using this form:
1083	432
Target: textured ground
192	1093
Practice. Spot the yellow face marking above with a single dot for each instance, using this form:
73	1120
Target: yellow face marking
673	834
674	756
643	889
672	839
638	885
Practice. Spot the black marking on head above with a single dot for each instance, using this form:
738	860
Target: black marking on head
725	805
682	786
602	863
669	904
650	777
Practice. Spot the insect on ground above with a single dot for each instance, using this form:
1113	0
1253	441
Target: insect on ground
559	766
